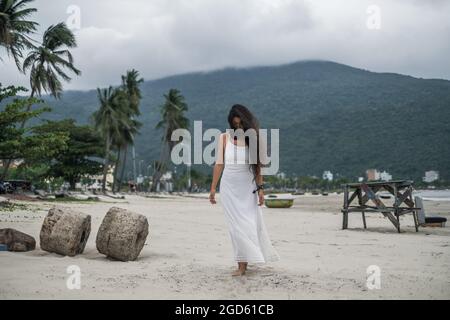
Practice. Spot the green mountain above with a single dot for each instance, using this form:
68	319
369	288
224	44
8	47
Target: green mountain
331	116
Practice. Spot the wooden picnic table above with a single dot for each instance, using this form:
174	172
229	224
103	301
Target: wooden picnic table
368	200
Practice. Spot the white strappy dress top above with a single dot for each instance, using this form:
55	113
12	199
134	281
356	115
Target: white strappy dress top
244	217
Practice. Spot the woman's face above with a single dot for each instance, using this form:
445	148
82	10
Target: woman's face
237	123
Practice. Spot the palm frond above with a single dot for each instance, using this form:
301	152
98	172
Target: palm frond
49	60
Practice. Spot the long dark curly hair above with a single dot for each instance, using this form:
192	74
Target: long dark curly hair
248	121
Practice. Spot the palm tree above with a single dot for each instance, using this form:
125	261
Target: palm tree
172	118
130	84
107	121
15	28
48	61
127	132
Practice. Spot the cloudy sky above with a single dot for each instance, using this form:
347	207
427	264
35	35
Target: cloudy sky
166	37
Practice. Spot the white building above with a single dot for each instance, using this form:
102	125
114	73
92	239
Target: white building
431	176
385	176
327	175
165	182
97	181
166	176
373	174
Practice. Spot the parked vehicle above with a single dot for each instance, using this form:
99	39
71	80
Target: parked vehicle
10	186
6	187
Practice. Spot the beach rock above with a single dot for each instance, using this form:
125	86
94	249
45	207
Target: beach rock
16	240
122	234
65	231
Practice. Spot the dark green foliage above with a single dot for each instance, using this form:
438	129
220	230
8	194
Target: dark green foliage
47	62
28	144
331	116
15	28
83	154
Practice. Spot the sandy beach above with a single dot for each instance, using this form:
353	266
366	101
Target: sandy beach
188	254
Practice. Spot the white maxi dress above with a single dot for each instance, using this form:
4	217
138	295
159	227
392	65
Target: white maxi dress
244	217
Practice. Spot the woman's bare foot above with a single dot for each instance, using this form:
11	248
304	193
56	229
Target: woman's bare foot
238	273
242	267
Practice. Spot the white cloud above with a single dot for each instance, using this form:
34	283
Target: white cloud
160	37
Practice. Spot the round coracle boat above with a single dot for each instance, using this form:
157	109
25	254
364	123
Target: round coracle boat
279	200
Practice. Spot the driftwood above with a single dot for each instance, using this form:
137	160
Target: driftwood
122	234
16	240
65	231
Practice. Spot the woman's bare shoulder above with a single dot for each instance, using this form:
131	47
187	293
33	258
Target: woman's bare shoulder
223	135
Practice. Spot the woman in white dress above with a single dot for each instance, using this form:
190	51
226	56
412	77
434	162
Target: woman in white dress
241	193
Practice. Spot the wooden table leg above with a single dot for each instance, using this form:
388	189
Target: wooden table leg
380	205
345	209
416	219
396	205
416	222
364	219
345	222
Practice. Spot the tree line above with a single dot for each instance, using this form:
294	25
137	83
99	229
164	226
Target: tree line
62	149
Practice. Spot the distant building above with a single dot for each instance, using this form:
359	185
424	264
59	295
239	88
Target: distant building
166	176
372	174
327	175
360	179
166	182
96	181
140	179
431	176
385	176
14	163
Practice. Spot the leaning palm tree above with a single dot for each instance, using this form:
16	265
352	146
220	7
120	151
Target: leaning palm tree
48	61
172	118
15	28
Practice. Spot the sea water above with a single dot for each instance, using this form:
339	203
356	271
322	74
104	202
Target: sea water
433	195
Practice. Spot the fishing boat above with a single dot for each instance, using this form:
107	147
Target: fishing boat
279	200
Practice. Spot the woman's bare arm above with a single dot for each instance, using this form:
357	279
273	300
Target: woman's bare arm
218	168
263	161
259	181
